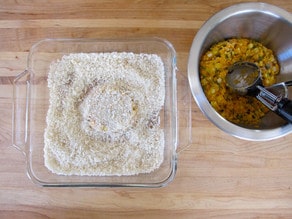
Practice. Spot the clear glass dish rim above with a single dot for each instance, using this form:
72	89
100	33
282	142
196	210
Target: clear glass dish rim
174	129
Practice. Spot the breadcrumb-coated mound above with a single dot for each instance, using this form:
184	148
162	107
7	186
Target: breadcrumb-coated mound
103	117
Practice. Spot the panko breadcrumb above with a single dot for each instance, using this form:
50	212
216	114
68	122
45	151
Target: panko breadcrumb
103	117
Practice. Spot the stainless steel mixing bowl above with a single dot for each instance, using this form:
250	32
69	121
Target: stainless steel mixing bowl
265	23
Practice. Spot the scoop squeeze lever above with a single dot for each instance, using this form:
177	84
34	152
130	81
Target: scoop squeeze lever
245	79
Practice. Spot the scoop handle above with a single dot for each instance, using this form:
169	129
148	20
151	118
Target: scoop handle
284	109
288	83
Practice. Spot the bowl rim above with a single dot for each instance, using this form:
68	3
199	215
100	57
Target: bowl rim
193	72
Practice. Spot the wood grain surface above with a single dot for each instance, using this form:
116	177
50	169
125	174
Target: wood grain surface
218	176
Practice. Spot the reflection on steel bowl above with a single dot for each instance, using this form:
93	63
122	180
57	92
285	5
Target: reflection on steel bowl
265	23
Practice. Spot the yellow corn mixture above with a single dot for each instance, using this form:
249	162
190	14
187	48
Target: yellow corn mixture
242	110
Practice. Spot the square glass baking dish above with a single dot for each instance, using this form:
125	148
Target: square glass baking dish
31	102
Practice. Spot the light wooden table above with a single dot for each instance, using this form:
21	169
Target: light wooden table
218	175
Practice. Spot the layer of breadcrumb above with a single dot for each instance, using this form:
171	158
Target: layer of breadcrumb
103	117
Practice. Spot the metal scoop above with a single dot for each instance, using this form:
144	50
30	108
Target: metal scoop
245	79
